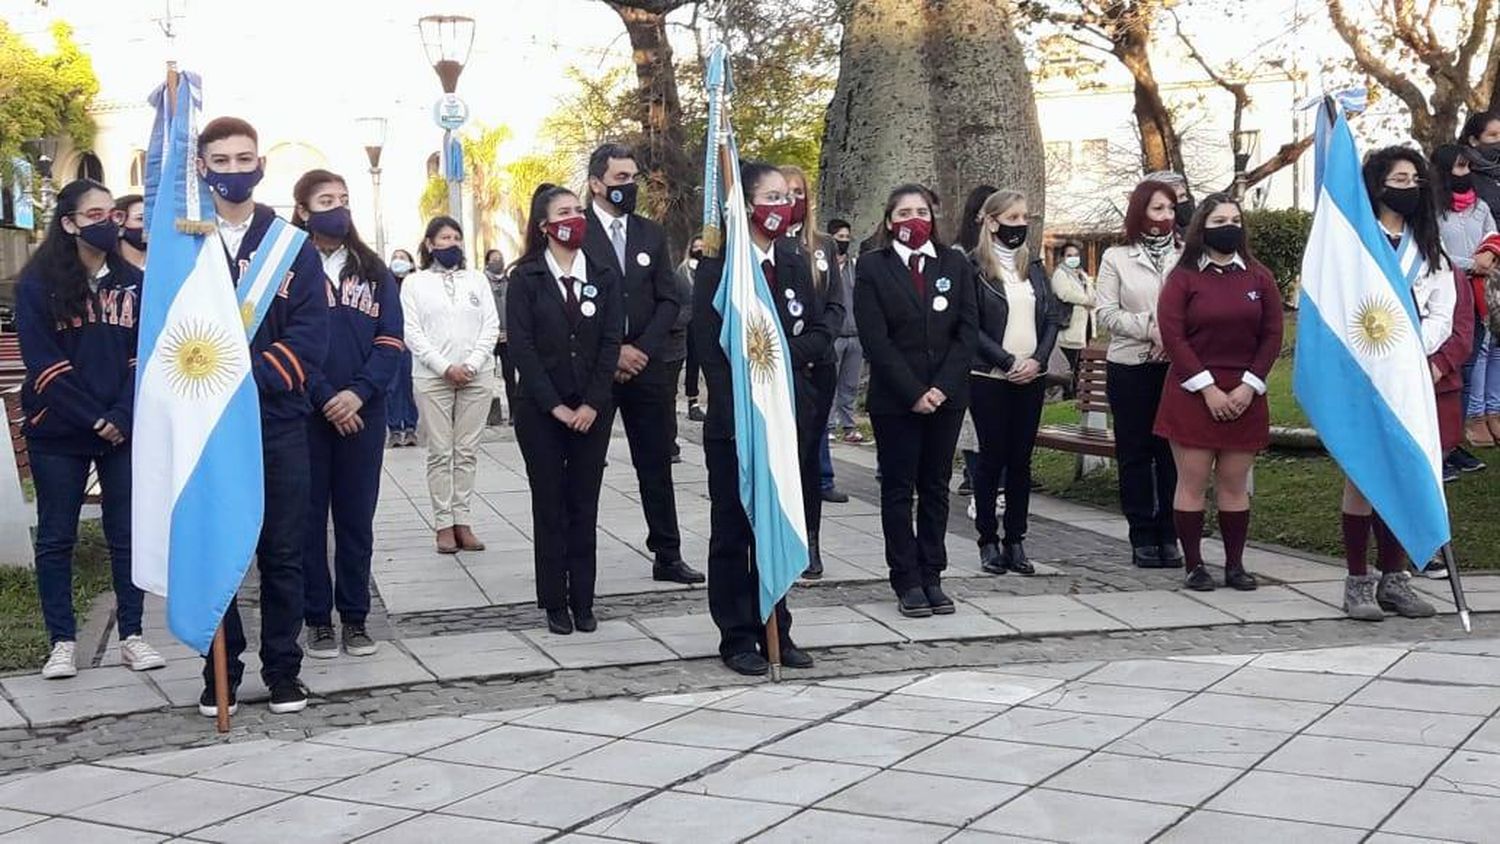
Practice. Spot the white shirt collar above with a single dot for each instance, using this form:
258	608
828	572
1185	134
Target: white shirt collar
333	263
579	270
767	255
607	219
905	252
233	234
1236	261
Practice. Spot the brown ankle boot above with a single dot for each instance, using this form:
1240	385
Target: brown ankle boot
1478	431
1492	421
446	542
466	538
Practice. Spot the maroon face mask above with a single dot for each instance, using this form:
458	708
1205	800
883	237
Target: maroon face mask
913	233
799	211
567	231
772	220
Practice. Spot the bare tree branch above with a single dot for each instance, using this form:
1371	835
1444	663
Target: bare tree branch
1236	89
1284	157
1372	63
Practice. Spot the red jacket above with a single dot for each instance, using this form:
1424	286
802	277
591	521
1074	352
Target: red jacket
1454	353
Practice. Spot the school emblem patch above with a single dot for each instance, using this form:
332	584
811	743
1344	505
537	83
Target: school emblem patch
761	349
200	359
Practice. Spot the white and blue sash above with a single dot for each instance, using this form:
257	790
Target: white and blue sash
263	279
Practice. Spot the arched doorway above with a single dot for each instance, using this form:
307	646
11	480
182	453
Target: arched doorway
285	164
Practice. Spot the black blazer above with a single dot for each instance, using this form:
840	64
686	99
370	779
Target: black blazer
808	344
649	292
912	346
557	362
994	313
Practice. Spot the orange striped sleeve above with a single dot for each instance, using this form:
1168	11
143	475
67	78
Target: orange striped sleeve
52	373
291	358
393	342
271	359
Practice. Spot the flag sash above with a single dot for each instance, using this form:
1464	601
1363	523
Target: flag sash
268	269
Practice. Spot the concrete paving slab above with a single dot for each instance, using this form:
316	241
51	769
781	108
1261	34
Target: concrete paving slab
389	666
94	693
1156	609
493	653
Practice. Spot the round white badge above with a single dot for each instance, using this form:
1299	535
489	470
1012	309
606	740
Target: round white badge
943	285
940	303
588	309
643	259
818	253
794	308
473	300
822	265
590	291
789	293
797	328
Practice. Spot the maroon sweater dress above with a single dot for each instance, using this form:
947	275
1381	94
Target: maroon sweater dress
1226	321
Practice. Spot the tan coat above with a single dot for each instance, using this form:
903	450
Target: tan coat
1129	285
1077	289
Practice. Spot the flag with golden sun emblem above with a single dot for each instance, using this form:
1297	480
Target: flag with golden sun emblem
197	497
1361	371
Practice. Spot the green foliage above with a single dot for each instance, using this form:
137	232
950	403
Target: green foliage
44	95
1278	238
23	636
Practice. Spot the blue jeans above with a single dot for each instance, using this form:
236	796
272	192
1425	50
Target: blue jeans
60	481
1482	376
401	408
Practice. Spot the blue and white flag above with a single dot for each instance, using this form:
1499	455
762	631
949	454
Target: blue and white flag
197	498
765	422
1361	373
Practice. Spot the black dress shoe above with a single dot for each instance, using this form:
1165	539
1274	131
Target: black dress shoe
834	495
559	622
1199	580
814	570
1146	557
676	571
794	657
1238	578
748	663
1014	558
695	413
990	558
913	603
584	621
1171	555
938	599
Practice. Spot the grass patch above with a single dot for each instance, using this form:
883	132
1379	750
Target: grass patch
1297	496
23	637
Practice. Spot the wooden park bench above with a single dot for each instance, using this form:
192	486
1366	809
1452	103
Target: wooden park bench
1092	436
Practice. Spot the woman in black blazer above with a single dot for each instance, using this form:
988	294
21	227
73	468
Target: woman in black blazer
914	306
564	321
1017	330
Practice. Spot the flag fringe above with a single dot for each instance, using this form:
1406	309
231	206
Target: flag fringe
195	226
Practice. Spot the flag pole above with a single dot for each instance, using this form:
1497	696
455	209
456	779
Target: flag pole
773	646
221	680
1457	585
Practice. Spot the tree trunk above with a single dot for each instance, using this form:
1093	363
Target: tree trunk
929	91
670	176
1161	149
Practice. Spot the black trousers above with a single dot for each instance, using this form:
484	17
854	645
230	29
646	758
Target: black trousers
733	579
1006	416
278	558
1070	390
915	452
508	375
648	406
815	387
690	379
344	481
1148	474
565	471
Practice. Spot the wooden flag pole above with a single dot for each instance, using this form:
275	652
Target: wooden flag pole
221	679
773	646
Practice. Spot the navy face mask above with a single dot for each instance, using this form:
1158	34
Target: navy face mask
103	235
234	187
134	237
334	223
449	256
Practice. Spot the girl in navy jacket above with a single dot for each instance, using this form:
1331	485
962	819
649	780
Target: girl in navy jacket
564	320
76	307
346	431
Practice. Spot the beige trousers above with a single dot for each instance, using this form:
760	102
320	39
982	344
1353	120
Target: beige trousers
450	420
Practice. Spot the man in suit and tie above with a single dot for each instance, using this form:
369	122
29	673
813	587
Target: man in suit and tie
645	382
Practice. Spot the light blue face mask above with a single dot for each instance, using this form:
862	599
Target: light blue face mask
1073	262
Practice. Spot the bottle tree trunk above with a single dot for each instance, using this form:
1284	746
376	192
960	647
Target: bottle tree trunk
929	91
671	177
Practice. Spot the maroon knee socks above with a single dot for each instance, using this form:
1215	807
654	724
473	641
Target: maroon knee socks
1390	557
1234	528
1356	543
1190	533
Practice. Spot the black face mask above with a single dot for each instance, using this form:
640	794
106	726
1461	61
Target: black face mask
1461	184
1404	201
842	246
1224	239
1184	213
623	197
695	254
134	237
1011	237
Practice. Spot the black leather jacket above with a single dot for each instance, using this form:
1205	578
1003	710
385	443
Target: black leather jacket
994	312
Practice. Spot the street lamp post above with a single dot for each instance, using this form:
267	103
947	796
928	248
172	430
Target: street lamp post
46	155
372	130
447	41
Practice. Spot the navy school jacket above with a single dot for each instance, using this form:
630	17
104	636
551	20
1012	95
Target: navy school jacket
559	362
292	342
81	370
364	339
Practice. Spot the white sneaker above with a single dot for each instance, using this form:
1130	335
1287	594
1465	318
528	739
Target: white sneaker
60	662
138	655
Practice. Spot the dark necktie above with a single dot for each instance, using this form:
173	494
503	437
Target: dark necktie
570	299
769	269
918	281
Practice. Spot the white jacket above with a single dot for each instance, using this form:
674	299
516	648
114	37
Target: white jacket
1076	289
450	320
1129	285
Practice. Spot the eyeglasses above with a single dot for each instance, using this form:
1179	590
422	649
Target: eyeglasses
99	215
1404	182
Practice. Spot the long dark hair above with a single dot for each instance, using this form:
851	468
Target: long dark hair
363	262
1192	239
883	234
536	239
968	222
1423	222
1443	159
56	260
751	172
435	225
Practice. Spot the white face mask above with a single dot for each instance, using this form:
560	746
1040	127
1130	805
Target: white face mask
1073	262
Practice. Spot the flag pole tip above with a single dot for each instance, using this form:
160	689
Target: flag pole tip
1463	618
776	673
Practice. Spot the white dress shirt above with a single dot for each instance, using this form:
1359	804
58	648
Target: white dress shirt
579	273
450	319
905	252
333	264
233	234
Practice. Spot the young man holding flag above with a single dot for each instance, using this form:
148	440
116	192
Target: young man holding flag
290	343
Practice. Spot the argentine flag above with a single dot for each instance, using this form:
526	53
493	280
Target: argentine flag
1361	373
765	424
197	497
